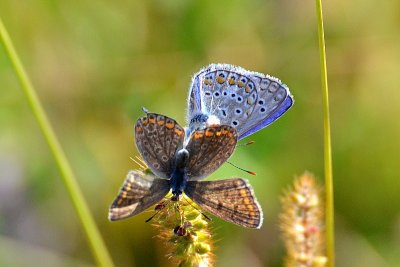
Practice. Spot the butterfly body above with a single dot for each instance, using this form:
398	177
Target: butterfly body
179	176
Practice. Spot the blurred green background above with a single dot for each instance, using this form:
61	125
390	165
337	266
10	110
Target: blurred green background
96	63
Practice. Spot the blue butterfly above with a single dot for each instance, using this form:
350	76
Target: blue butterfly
223	94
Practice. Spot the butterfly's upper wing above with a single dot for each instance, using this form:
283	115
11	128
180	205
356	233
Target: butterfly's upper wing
157	139
209	149
232	200
138	192
246	100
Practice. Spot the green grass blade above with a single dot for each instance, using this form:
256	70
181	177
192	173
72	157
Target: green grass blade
329	209
95	240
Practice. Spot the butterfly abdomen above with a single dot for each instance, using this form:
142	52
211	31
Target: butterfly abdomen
179	175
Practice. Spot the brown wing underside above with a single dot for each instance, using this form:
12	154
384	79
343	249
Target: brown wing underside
139	192
209	149
232	200
157	139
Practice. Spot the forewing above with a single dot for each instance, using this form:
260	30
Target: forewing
209	149
232	200
157	139
138	192
246	100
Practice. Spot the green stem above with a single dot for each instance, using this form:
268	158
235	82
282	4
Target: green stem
329	211
95	240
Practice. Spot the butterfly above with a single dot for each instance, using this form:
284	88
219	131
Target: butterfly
178	165
223	94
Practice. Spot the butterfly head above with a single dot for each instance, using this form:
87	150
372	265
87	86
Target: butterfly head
201	121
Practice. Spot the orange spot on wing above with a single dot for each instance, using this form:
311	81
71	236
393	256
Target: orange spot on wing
220	80
250	207
160	121
152	120
231	81
209	133
178	131
240	84
170	124
198	135
243	192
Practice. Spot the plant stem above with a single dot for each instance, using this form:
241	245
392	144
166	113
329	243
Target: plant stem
329	209
95	240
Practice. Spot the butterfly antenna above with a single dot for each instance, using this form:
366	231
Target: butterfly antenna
249	172
162	206
145	110
152	216
205	216
246	144
139	163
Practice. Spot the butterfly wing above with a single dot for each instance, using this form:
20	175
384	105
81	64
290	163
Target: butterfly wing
246	100
232	200
138	192
157	139
209	149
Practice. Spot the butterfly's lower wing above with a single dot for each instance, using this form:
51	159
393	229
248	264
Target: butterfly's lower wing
138	192
246	100
232	200
157	139
209	149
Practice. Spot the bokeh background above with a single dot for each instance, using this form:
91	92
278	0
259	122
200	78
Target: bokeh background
96	63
